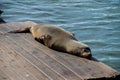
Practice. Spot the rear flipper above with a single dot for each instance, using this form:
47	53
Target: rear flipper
44	39
22	30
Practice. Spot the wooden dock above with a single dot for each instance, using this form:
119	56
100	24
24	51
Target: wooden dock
23	58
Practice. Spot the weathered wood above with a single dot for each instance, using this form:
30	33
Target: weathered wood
31	59
16	66
35	61
3	76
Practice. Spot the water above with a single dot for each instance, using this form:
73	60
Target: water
94	22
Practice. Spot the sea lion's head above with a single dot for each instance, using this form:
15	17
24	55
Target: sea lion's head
84	52
79	49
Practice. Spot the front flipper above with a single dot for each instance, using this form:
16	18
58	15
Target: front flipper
44	39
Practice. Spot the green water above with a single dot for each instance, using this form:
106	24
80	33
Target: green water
94	22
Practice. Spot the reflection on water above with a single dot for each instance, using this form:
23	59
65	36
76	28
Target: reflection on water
94	22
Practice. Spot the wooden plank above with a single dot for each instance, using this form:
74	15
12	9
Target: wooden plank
9	68
61	65
3	76
40	65
16	67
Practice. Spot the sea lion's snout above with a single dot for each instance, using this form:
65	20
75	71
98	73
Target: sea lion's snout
86	52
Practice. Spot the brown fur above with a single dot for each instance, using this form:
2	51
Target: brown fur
58	39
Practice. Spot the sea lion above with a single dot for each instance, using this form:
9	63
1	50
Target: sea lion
58	39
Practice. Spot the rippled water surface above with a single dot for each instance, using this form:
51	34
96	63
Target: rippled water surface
94	22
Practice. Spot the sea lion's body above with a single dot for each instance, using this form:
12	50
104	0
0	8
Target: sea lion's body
57	34
57	38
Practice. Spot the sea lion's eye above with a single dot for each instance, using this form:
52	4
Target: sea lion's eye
87	49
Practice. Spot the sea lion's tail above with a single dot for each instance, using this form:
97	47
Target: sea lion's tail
22	30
